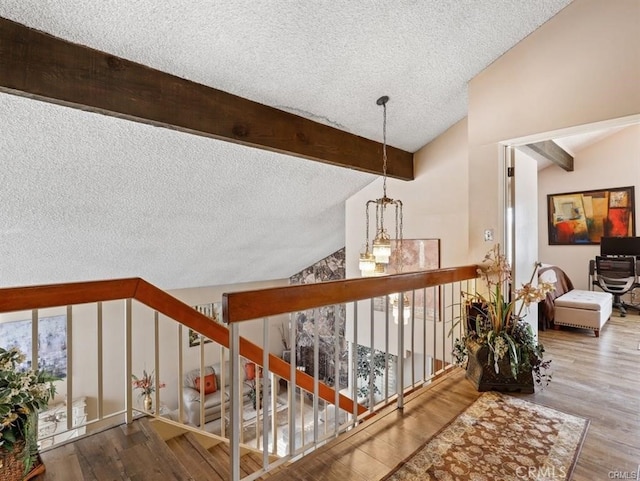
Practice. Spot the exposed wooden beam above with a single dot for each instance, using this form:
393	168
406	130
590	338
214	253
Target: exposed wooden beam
37	65
549	150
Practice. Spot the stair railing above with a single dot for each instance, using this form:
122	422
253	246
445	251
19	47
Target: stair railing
125	322
418	341
123	327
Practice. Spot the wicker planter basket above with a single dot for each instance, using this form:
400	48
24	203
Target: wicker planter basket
12	465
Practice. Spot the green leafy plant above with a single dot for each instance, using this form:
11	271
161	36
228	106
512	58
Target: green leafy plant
366	360
22	394
491	319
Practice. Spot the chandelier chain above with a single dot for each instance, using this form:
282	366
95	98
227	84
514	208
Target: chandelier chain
381	249
399	237
384	150
367	213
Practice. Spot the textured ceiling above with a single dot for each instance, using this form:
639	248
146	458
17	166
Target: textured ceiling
86	196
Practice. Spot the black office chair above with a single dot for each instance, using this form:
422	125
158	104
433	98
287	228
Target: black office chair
616	275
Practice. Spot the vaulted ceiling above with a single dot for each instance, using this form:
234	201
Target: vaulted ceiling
91	196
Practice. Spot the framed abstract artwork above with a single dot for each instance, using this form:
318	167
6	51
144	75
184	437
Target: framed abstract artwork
582	218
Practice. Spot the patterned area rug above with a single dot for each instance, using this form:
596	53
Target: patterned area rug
499	437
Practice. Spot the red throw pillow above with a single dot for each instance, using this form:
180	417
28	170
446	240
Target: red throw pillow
250	371
210	385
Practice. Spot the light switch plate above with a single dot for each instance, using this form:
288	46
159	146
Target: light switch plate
488	235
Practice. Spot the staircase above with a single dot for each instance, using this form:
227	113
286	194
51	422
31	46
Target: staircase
137	451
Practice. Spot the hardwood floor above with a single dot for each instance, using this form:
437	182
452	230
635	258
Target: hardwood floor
596	378
599	378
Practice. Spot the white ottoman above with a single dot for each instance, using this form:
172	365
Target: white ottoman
585	309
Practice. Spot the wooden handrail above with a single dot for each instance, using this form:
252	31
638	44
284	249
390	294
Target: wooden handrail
256	304
54	295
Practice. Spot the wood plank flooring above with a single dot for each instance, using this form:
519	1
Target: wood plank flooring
596	378
599	379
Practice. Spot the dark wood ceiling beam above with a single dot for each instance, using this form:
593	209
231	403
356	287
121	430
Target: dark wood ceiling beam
37	65
549	150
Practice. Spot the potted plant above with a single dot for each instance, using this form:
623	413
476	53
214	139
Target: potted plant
366	360
499	347
22	394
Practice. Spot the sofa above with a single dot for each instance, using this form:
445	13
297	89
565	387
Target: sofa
215	393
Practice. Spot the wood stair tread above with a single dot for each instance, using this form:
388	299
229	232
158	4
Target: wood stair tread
201	464
136	451
131	451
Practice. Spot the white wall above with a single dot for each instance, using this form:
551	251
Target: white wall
250	329
578	68
612	162
526	222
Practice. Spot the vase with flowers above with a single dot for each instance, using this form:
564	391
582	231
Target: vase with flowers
498	345
146	385
23	392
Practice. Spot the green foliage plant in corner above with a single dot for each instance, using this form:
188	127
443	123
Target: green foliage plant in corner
22	394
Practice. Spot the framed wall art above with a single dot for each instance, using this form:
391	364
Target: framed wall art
213	311
582	218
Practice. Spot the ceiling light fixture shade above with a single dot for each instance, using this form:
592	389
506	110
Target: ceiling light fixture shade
367	263
381	245
382	248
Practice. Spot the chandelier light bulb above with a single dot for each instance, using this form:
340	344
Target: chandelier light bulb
382	248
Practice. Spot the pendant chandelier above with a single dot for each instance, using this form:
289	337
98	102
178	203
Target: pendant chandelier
375	260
